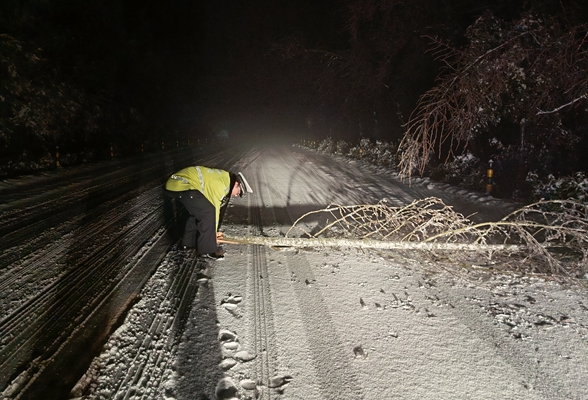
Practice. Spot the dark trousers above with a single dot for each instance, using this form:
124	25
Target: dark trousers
200	231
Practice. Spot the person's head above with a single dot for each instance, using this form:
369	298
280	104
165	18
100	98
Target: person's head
236	190
239	185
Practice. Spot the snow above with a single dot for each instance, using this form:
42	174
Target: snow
341	322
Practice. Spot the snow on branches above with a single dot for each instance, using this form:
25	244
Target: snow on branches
551	236
507	73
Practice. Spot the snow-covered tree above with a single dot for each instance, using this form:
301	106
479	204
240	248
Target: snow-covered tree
531	73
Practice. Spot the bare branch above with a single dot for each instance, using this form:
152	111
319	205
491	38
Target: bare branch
548	233
562	106
507	72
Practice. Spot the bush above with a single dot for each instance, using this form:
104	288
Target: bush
364	150
563	188
343	147
326	146
465	171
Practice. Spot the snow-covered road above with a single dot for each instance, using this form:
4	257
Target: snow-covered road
307	323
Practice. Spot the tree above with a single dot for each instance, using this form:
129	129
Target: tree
74	76
37	108
531	73
372	73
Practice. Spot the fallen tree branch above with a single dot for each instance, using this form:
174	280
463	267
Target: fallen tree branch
370	243
548	233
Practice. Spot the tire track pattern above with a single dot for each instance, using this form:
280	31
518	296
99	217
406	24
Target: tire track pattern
30	271
67	281
337	378
263	329
39	328
161	319
75	256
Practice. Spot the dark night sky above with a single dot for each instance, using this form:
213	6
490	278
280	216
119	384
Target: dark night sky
182	60
192	63
234	28
182	64
231	79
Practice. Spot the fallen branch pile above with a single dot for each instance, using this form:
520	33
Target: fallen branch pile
549	236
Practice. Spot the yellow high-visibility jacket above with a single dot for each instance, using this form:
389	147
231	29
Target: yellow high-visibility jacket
213	183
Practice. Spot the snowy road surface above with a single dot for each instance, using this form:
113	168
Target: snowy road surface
91	250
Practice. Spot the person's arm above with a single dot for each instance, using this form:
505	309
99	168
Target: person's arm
217	191
222	210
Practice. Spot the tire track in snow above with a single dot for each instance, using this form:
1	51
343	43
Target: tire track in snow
162	325
67	293
263	330
30	271
41	326
20	221
336	377
30	214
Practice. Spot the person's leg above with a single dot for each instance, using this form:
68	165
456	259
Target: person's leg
189	238
207	231
190	230
203	218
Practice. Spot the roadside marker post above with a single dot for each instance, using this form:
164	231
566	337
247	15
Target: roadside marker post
489	177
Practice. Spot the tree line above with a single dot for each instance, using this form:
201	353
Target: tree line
504	81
